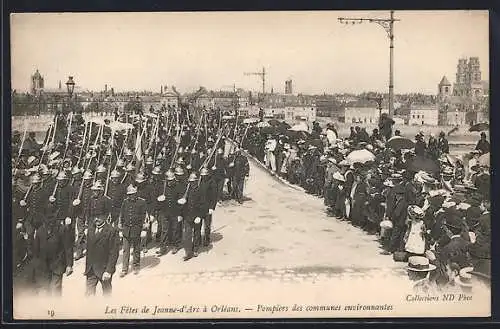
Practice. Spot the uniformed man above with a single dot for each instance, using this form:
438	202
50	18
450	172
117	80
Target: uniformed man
61	204
80	203
99	205
209	202
241	172
156	183
145	191
35	202
176	228
131	222
191	214
116	192
169	211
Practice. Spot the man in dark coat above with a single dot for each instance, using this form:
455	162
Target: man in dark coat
480	251
385	126
81	206
116	193
52	255
396	212
168	213
443	146
209	202
103	246
131	221
359	196
191	214
241	171
483	145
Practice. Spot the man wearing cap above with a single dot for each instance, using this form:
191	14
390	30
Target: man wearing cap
396	211
191	213
131	220
419	269
103	247
156	183
217	165
145	191
52	255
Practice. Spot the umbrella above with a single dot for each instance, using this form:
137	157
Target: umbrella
484	160
420	163
360	156
274	122
297	134
398	143
250	120
480	127
263	124
299	127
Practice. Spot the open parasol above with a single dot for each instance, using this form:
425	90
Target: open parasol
398	143
479	127
263	124
360	156
250	120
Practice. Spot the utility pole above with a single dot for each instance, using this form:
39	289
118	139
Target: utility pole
262	76
388	25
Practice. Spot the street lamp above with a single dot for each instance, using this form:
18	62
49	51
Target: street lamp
70	84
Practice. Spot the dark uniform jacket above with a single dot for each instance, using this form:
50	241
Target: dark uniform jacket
208	194
37	203
241	166
116	192
169	207
51	249
192	207
132	215
102	251
64	201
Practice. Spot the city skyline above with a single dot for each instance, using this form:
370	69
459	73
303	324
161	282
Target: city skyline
90	47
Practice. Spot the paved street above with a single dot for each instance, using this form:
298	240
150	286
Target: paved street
278	247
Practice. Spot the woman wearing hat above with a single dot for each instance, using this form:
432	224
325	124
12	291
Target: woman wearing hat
415	235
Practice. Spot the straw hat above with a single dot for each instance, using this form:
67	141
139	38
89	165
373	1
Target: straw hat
419	264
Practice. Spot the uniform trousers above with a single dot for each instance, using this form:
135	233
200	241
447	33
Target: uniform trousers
135	243
207	222
174	232
219	187
239	183
163	229
93	280
192	236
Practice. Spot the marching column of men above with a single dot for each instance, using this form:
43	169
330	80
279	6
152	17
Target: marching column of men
77	207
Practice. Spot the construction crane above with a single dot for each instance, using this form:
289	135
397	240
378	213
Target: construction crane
262	76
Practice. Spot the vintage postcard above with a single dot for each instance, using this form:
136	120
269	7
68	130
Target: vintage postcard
210	165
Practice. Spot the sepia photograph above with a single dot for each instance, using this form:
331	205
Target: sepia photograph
230	165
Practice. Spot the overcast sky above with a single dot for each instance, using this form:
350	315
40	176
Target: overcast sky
137	51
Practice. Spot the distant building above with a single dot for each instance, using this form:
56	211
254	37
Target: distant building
288	87
170	97
468	78
424	115
362	115
456	118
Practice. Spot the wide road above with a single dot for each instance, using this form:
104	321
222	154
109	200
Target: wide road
278	247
